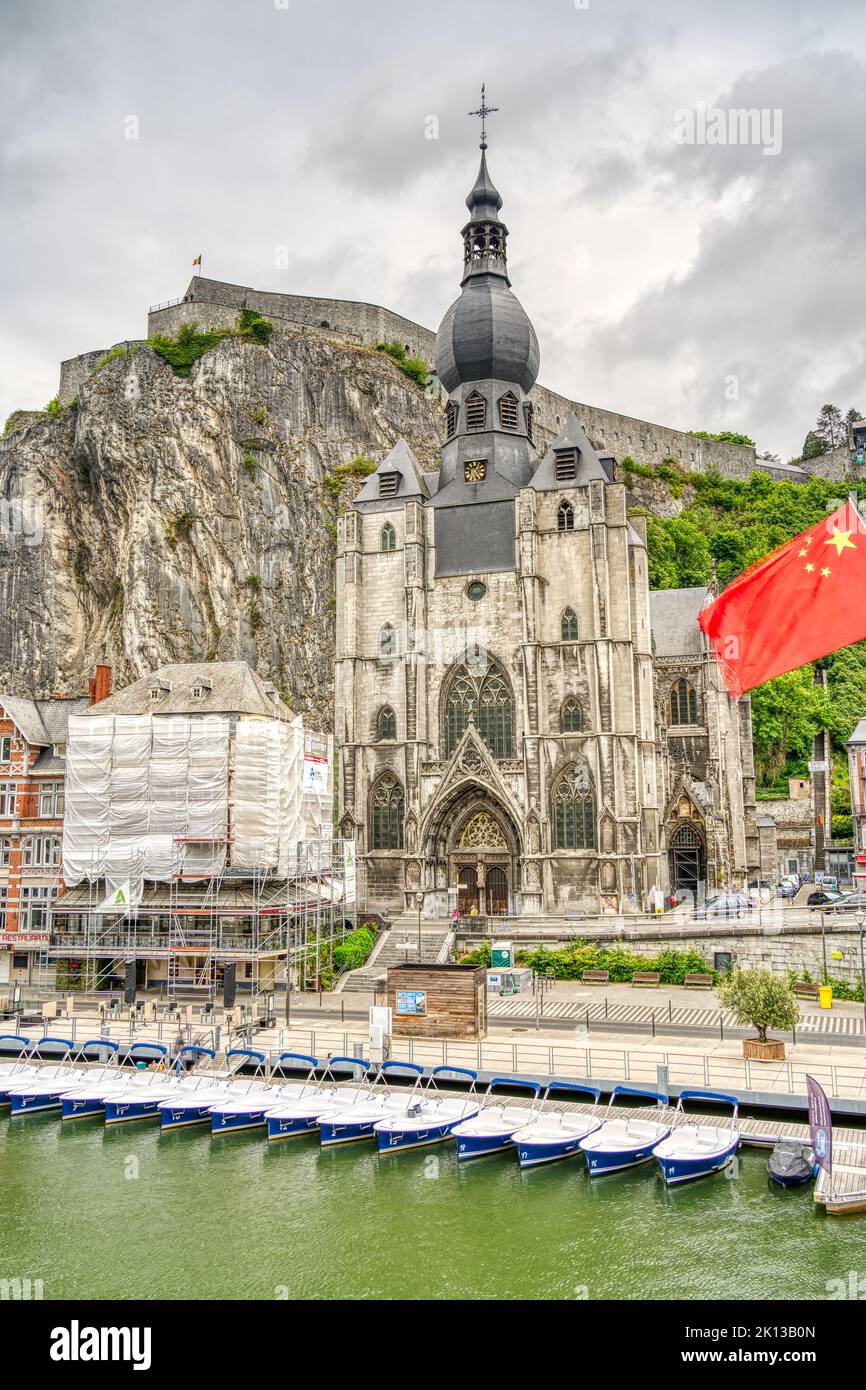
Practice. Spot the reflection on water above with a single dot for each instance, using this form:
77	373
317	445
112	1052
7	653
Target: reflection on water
128	1212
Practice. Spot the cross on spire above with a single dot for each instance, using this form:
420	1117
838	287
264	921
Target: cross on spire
484	111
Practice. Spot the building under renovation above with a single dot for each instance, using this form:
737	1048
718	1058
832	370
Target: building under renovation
198	850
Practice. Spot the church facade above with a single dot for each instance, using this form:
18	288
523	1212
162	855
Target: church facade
523	726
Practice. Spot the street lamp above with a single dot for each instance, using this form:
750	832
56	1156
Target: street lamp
419	902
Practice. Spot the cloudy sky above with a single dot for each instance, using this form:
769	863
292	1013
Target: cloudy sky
696	284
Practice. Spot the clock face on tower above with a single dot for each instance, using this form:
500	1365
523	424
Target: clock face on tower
475	470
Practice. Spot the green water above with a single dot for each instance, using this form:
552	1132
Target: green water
131	1213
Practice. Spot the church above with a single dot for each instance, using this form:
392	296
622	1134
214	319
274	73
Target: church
524	727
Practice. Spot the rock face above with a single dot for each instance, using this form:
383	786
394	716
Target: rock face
169	519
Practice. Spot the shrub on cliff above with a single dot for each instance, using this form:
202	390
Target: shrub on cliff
414	367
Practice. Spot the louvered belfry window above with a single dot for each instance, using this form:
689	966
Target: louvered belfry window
508	411
450	419
566	465
388	483
476	412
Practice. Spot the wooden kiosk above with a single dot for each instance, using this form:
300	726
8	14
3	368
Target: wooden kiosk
438	1001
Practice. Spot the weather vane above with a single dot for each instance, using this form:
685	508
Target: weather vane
484	111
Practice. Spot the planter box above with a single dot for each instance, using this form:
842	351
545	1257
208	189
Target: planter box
770	1051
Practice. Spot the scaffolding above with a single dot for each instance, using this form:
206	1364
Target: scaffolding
183	935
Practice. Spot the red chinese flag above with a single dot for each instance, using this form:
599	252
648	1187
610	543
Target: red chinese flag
806	599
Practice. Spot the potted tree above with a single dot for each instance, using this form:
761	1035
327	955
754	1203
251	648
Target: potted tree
764	1000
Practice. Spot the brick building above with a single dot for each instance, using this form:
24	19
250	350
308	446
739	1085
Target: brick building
32	777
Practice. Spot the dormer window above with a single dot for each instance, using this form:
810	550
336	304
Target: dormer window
565	465
476	412
450	419
388	484
157	690
508	411
201	688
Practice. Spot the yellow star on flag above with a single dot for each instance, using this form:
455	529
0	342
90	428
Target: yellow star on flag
842	540
826	572
809	568
804	551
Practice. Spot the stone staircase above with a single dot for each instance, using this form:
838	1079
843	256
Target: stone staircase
392	951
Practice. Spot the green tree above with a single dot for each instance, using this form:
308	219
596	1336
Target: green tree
830	425
760	998
813	446
786	715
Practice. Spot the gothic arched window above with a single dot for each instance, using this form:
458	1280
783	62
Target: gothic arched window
386	813
572	716
486	696
386	724
387	641
683	703
388	537
565	517
508	411
568	625
574	810
450	419
476	411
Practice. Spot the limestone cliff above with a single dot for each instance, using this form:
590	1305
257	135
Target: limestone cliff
169	519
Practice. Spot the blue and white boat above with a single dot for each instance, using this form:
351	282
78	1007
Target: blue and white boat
624	1141
290	1118
490	1129
250	1099
697	1150
428	1117
43	1091
347	1124
556	1133
84	1097
191	1104
21	1069
138	1097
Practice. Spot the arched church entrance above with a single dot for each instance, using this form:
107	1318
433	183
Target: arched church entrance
687	860
482	858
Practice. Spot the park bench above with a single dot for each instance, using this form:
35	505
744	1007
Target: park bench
595	977
698	981
645	977
804	990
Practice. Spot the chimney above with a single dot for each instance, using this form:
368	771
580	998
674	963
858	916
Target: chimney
91	689
101	683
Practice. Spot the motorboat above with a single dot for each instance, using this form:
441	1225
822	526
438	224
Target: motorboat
250	1098
697	1150
490	1129
300	1115
22	1068
43	1091
82	1098
190	1105
347	1124
556	1133
427	1117
792	1162
624	1140
138	1097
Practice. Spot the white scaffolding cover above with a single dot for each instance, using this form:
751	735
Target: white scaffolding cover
146	797
268	798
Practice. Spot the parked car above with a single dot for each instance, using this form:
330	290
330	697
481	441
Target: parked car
788	888
828	882
847	902
761	890
822	896
727	905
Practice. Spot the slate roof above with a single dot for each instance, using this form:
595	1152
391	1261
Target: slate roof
236	689
674	620
859	734
412	482
589	467
42	722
